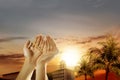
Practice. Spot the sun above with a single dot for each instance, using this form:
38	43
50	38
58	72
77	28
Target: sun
70	56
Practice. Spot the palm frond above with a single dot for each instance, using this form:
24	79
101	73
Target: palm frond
85	68
98	66
94	50
116	70
99	60
117	65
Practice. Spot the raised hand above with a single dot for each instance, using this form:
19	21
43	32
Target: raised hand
49	51
31	53
37	54
32	50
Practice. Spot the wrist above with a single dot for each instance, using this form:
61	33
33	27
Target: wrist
29	61
41	64
26	71
41	71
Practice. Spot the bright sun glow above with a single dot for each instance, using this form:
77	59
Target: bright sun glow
71	56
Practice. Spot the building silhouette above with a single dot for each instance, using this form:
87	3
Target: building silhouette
62	74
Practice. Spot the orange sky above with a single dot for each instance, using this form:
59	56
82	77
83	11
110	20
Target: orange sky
14	48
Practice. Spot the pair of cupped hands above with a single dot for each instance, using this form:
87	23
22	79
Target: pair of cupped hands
37	54
41	50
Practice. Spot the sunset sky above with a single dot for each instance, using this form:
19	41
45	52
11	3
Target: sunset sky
71	22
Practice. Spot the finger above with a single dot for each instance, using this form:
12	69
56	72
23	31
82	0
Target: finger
46	49
38	41
52	43
45	46
35	41
54	47
41	42
48	44
27	44
42	46
30	44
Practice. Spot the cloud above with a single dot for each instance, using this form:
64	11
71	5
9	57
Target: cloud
97	3
52	15
11	39
98	37
79	40
11	59
83	42
12	56
28	3
91	39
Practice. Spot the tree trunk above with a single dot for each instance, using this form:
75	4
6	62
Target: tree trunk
107	72
85	76
93	77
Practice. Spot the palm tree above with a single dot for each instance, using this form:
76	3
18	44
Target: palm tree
107	57
85	69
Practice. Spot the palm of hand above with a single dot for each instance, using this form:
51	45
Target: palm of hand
42	50
31	53
27	51
48	55
49	52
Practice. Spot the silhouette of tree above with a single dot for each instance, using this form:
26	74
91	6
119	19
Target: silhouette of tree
85	69
107	57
